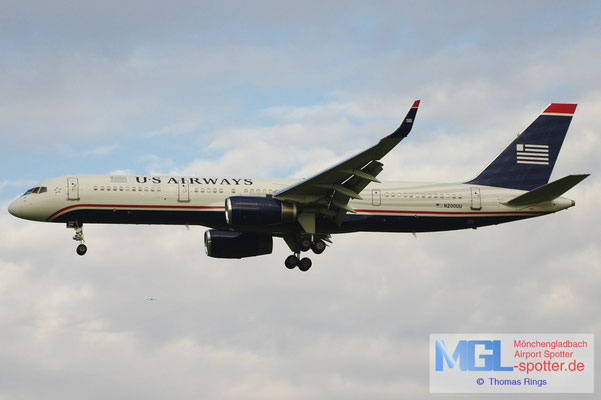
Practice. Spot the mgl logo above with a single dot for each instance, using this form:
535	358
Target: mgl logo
473	355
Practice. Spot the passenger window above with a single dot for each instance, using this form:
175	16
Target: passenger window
202	190
120	188
245	190
233	190
102	188
152	189
127	188
215	190
95	187
220	190
460	196
454	195
429	195
448	196
435	195
195	190
392	194
133	189
252	190
139	188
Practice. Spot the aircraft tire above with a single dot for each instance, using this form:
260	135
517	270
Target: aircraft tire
304	264
318	246
291	261
82	249
304	244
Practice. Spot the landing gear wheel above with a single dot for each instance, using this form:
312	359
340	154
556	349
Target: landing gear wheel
318	246
81	249
304	264
304	244
291	261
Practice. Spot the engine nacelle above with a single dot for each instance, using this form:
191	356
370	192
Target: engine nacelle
226	244
258	211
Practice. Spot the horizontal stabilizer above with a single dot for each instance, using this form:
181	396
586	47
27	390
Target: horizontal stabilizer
547	192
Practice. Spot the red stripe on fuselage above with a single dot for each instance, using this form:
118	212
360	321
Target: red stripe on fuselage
126	206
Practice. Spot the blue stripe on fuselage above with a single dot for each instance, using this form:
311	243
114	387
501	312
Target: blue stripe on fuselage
352	222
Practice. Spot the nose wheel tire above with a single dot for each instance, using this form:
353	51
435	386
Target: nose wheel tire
81	249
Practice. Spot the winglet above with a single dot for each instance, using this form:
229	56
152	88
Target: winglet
405	127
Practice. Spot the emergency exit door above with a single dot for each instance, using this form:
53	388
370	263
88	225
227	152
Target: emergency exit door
476	199
72	189
376	197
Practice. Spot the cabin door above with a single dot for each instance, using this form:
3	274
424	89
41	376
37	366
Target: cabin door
183	190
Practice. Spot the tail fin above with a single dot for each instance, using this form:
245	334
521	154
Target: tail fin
528	161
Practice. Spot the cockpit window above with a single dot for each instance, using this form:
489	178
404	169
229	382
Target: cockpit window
38	189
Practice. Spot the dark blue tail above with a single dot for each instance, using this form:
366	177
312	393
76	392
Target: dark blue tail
528	161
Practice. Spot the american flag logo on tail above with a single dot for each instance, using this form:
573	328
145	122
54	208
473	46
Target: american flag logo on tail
532	154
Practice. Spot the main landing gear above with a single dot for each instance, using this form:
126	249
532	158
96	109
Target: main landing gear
81	247
301	245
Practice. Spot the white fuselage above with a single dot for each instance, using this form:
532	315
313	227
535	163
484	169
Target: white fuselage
386	206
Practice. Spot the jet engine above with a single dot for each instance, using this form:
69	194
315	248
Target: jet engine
227	244
258	211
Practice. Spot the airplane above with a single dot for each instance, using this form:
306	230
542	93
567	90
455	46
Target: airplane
245	214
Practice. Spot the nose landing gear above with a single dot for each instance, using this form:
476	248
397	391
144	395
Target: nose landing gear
78	237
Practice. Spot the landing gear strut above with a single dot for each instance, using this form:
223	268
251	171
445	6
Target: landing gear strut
78	237
302	244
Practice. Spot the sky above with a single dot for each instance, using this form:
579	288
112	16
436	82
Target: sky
284	89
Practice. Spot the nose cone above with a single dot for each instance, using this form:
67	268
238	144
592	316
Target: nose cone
16	208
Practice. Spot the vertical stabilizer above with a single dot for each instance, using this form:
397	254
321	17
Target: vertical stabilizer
528	161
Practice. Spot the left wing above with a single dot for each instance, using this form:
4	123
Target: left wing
329	192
